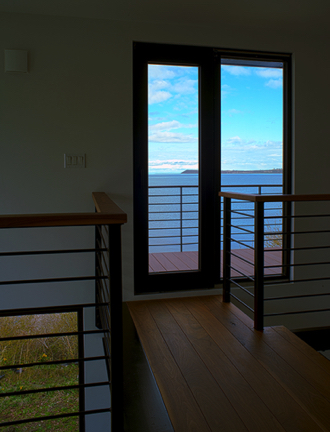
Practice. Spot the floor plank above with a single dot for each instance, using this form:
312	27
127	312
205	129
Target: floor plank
208	394
313	402
165	262
223	329
241	395
193	256
208	359
192	264
155	264
144	409
178	263
184	261
181	405
304	348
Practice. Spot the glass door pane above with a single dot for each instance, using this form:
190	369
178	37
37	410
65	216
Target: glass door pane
252	105
173	162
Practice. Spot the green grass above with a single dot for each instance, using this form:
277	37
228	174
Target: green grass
30	351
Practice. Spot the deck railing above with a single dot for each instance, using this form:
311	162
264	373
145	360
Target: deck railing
173	214
104	297
303	238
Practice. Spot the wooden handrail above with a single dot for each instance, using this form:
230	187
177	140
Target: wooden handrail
275	198
104	204
107	213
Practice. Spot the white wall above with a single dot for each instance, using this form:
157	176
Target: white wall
77	97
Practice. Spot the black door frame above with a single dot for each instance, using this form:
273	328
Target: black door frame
144	53
209	62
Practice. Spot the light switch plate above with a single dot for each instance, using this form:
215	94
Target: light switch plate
74	160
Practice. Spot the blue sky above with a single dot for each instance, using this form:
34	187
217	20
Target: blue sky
251	118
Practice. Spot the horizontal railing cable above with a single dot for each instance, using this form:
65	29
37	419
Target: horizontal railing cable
58	388
49	310
48	252
233	281
242	229
319	279
241	301
246	215
297	296
296	312
49	280
53	362
242	259
56	416
51	335
304	264
241	243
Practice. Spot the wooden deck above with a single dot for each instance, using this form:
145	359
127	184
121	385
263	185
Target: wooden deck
186	261
216	373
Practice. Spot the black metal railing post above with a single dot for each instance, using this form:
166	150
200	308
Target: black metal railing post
116	330
287	228
81	355
226	249
259	266
98	258
181	216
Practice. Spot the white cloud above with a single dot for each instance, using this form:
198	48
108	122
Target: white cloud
246	145
174	124
158	96
156	92
161	90
234	140
277	144
159	162
172	165
160	72
158	85
275	75
274	83
237	70
185	87
269	72
172	137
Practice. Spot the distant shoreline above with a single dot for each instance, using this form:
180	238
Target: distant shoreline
272	171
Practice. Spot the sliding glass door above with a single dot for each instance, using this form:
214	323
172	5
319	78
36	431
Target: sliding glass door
187	140
252	153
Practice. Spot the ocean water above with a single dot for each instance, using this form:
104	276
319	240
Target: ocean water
173	209
226	180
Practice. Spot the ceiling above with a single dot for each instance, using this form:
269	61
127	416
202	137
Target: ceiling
182	11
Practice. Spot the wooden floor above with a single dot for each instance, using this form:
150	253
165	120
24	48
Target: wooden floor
185	261
216	373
